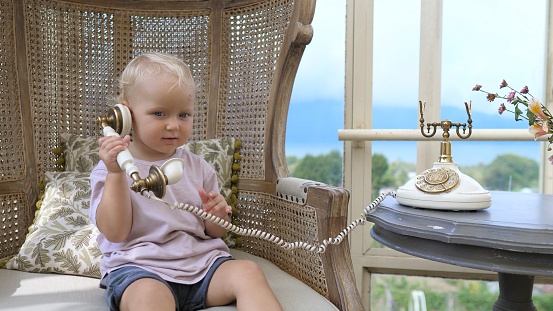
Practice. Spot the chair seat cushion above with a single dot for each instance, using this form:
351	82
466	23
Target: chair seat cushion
39	291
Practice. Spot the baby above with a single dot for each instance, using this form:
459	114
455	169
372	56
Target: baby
154	257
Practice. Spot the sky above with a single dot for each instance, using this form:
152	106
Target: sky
484	41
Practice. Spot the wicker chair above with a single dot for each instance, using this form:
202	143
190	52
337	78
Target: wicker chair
59	62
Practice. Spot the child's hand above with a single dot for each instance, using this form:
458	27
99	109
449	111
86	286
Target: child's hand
214	203
110	146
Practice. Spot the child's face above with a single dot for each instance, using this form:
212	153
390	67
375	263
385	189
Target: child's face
162	118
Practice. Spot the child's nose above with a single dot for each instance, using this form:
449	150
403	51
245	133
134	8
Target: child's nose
172	124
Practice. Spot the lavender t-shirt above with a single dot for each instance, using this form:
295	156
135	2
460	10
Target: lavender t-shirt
171	243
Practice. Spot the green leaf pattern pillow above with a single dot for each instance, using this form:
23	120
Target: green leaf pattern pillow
218	152
61	239
81	153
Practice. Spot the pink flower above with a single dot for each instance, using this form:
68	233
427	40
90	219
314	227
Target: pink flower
503	84
538	129
551	160
511	96
491	97
535	107
501	109
524	90
477	87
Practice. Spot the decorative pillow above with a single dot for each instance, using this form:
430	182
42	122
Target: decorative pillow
81	153
218	152
61	239
222	154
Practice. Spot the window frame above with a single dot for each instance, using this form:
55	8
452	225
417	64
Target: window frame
358	152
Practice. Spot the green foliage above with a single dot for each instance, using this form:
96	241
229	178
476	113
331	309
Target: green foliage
292	162
543	302
510	172
326	168
381	177
507	172
388	175
436	301
400	171
394	293
476	172
476	296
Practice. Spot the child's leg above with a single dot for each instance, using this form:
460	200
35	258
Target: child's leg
243	281
133	288
147	294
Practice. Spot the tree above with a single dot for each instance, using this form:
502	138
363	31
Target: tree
326	168
292	161
511	172
381	177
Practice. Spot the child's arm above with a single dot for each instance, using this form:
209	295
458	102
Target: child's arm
214	204
114	213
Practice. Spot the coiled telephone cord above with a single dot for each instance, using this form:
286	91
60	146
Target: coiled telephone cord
255	233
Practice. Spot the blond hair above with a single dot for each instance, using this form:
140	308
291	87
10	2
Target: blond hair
149	65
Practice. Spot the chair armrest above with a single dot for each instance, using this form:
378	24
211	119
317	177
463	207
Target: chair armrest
331	204
331	207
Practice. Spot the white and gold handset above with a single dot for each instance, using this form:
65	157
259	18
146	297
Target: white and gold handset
118	123
443	186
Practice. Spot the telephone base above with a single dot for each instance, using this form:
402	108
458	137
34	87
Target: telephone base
458	191
445	201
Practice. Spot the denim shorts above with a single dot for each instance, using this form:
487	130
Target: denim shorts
187	296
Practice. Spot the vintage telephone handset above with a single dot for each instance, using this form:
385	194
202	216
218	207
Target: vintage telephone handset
443	186
118	122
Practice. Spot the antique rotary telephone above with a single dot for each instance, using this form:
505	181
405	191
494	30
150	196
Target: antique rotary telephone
441	187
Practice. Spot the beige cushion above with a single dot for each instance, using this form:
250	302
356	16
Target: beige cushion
81	153
45	292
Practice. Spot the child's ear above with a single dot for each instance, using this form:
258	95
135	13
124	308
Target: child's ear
126	104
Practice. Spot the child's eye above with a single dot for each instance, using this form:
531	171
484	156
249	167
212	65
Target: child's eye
158	114
184	115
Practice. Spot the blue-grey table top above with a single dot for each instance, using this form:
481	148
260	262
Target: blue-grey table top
513	236
521	222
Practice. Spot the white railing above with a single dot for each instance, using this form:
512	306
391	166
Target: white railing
358	135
